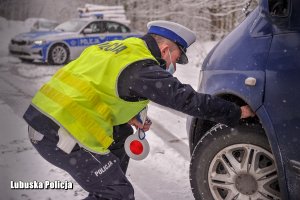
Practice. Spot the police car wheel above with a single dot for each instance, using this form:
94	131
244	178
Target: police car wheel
234	164
58	54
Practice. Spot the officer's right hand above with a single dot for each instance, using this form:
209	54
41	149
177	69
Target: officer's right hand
247	112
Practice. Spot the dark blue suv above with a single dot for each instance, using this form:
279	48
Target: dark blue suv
257	64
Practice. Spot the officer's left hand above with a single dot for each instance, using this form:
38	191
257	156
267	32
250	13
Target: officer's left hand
134	122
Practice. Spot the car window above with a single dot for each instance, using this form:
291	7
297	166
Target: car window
96	27
113	27
278	8
295	15
70	26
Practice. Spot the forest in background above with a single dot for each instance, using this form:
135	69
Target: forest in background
210	19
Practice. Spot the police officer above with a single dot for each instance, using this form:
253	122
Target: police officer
79	120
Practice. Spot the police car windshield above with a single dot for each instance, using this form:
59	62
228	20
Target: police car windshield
71	26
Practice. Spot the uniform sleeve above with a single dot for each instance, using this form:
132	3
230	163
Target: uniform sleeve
150	81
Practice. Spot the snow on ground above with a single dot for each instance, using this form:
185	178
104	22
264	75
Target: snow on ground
162	175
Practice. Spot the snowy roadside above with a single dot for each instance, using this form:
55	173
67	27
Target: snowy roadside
20	162
162	175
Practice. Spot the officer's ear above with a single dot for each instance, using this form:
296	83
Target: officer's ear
164	49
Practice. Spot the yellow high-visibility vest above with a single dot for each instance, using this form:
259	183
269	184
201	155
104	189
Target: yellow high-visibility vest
82	96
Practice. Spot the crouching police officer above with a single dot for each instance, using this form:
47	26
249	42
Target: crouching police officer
78	121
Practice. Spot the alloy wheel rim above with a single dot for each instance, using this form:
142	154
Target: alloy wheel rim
243	171
59	55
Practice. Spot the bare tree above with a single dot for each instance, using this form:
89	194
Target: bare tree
210	19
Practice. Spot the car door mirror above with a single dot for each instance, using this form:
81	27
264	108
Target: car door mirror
87	31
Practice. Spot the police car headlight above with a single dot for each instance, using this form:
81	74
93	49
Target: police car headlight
39	42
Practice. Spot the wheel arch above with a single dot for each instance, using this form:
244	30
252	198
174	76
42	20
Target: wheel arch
201	126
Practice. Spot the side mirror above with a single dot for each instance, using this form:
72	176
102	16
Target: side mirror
87	31
264	6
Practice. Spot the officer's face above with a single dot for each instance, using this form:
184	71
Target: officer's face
171	54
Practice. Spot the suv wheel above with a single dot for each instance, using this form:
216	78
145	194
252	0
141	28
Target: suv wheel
234	164
58	54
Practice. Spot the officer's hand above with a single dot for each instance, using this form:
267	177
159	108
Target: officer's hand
134	122
147	124
247	112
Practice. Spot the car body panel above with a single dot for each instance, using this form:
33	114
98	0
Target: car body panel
23	45
282	97
266	47
268	127
248	34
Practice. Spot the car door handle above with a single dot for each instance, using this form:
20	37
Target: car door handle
250	81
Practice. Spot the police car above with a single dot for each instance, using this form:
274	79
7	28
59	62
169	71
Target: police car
67	40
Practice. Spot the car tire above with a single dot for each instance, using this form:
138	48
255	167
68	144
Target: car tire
218	170
58	54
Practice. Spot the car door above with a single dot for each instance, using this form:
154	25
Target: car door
282	95
88	35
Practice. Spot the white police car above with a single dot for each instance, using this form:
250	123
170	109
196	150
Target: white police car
67	40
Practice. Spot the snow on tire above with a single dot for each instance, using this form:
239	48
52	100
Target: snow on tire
234	163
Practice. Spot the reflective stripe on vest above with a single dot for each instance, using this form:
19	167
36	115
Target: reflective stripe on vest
83	98
83	118
87	91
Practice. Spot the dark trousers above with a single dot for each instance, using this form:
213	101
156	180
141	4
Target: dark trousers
103	176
